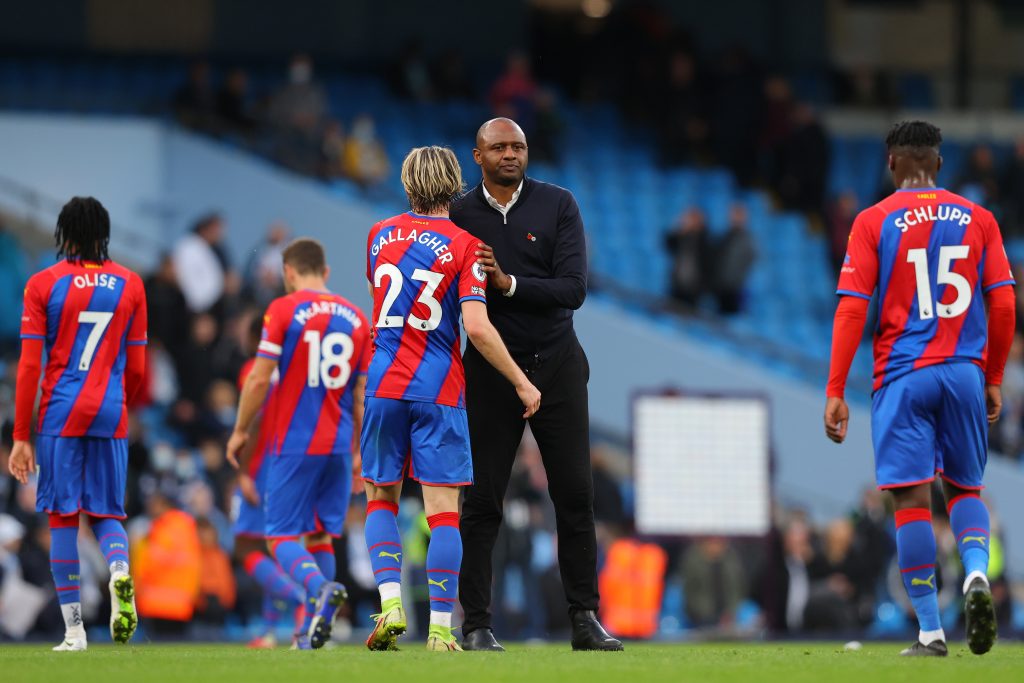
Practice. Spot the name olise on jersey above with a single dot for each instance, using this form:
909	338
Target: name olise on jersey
101	280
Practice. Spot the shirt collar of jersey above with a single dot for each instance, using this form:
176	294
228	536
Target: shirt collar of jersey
503	210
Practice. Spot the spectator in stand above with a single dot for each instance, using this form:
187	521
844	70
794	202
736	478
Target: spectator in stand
775	126
836	577
804	163
233	104
8	484
196	372
13	276
690	249
544	140
735	254
1007	435
736	107
168	309
865	87
332	151
366	162
980	180
411	77
263	279
684	129
298	112
838	224
713	582
783	584
217	588
167	569
450	78
514	94
195	103
198	266
1012	192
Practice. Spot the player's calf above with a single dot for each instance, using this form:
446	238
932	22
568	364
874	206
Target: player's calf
384	544
444	557
915	549
64	565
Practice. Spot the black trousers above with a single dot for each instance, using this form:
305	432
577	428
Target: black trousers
562	430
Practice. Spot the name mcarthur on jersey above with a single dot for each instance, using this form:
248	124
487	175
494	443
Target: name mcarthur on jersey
436	244
303	315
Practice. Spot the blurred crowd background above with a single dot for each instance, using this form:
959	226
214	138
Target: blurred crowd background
718	183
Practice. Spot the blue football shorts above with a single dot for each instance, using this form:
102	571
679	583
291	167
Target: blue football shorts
931	421
306	494
249	520
81	474
429	442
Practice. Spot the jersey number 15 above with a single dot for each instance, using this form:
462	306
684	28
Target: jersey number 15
925	305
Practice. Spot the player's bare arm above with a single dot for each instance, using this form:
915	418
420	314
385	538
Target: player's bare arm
488	342
254	393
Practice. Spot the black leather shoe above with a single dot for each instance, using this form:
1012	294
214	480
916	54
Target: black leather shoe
588	634
481	640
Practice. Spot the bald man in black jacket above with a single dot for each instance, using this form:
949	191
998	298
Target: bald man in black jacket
536	232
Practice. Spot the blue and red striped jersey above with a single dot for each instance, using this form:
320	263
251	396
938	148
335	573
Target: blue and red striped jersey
932	255
86	314
321	343
421	269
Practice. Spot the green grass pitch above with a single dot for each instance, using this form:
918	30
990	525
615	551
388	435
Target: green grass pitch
788	663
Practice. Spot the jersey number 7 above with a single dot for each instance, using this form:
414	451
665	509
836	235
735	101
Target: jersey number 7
99	321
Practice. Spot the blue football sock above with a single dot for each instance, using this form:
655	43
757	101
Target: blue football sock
113	540
64	558
324	556
383	541
968	517
444	557
915	549
303	570
272	579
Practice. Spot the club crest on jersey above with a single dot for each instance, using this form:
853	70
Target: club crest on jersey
932	213
478	272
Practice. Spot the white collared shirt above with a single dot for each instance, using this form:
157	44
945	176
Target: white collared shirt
503	210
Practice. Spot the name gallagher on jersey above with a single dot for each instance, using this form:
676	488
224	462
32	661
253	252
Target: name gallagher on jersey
435	244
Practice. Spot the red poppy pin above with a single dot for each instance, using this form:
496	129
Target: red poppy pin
530	236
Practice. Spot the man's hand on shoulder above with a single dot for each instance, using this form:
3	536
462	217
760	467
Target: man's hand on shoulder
495	275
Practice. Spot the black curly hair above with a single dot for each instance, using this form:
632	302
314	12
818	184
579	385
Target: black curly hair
915	138
83	231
